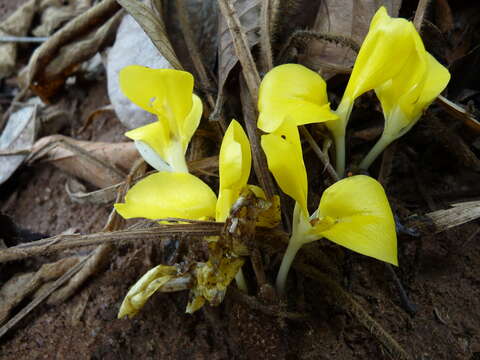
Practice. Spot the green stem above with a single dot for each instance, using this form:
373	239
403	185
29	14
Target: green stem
176	158
294	245
381	144
241	282
338	128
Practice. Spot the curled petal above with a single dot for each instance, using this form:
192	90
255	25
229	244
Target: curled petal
164	194
355	213
292	91
145	287
191	122
383	54
285	162
156	135
234	167
165	92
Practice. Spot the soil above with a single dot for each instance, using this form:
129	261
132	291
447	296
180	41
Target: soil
440	273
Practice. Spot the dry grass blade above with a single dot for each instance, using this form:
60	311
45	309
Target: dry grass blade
154	27
321	155
259	160
242	48
459	214
62	242
266	35
32	305
420	14
459	112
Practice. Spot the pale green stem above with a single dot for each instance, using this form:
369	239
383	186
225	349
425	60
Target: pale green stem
241	282
338	128
381	145
176	158
294	245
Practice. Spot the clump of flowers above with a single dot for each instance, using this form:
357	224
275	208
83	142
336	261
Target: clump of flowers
173	192
354	212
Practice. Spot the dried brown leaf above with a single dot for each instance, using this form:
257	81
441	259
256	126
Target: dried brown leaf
347	18
22	285
154	27
16	24
101	164
76	42
54	14
248	12
18	135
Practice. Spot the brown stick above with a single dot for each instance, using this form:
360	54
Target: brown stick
242	50
63	242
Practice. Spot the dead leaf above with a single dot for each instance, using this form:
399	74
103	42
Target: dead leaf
154	27
16	24
22	285
56	13
19	134
202	17
347	18
79	40
132	47
248	12
101	164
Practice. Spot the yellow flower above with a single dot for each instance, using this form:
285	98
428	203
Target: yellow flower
405	97
182	195
168	94
292	91
384	52
353	212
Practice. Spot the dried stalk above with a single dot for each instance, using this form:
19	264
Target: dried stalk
242	50
259	160
321	155
265	35
420	14
63	242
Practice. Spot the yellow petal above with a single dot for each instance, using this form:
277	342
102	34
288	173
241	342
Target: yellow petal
164	194
436	81
145	287
226	198
285	162
156	135
170	90
234	168
358	215
383	53
191	122
411	91
294	91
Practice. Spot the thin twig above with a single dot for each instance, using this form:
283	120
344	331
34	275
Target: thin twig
265	35
259	160
321	155
23	39
37	301
420	14
63	242
407	304
242	50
